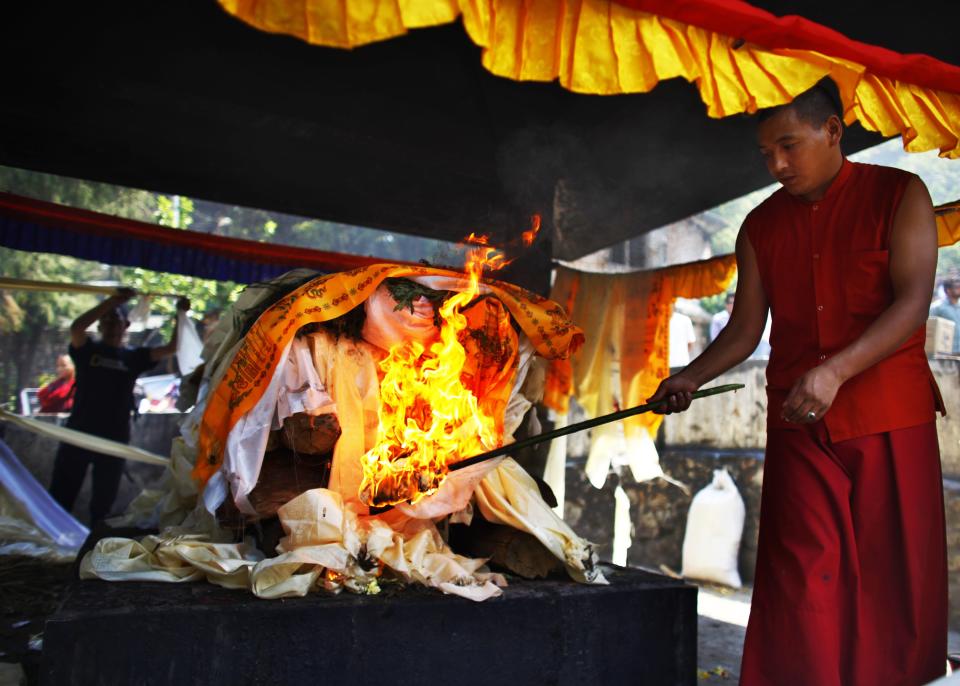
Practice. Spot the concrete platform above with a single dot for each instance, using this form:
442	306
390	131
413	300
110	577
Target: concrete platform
641	629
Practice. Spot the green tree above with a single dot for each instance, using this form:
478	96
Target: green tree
27	316
205	294
28	319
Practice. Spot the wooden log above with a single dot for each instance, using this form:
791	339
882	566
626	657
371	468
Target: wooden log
283	476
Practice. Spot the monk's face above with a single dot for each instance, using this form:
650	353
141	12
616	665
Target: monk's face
64	367
800	155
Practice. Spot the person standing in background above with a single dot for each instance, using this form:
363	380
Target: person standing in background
721	318
682	338
949	308
106	371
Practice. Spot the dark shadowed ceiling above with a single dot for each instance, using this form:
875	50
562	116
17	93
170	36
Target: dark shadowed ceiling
410	135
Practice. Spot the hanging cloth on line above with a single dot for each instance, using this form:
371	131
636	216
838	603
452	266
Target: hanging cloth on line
626	354
948	223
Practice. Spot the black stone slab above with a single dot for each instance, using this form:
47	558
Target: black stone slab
641	629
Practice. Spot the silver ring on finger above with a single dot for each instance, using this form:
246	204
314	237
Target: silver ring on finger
811	416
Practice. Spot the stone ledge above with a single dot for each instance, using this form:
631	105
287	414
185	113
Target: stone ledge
639	629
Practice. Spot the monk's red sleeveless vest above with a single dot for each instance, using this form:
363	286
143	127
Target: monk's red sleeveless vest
825	268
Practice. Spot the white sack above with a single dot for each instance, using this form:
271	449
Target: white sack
714	528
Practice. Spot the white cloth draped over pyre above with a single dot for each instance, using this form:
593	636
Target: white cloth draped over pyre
318	390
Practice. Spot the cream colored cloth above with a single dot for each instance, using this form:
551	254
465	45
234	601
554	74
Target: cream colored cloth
327	546
348	370
510	496
173	502
555	471
172	559
626	354
83	440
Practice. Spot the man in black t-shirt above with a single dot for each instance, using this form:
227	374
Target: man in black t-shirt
105	377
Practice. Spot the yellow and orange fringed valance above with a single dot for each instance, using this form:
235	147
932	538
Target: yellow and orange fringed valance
325	298
948	223
740	58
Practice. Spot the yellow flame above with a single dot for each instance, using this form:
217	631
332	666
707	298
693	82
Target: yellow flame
428	419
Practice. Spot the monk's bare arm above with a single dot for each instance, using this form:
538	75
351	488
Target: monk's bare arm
913	265
736	340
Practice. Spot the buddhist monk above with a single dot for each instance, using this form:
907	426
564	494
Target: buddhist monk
851	580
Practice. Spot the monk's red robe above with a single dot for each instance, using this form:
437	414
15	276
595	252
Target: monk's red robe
56	396
850	583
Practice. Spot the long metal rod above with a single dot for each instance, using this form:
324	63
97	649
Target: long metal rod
580	426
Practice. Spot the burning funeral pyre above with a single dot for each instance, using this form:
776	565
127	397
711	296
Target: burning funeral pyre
337	405
429	414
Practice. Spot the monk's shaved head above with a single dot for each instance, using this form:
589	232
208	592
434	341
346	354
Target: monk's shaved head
813	106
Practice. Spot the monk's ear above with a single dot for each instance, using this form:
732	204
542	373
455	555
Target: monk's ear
834	128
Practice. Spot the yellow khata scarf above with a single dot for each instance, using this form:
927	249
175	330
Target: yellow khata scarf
543	321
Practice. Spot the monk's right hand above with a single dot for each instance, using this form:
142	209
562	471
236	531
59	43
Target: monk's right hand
677	393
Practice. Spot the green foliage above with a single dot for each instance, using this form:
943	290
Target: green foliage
48	309
29	314
101	197
33	326
939	174
948	262
724	241
714	303
205	295
175	211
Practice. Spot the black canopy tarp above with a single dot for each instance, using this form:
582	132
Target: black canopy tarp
410	135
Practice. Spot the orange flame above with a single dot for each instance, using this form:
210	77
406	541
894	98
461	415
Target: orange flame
428	418
531	235
474	239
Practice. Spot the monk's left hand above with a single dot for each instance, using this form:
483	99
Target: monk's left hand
811	396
